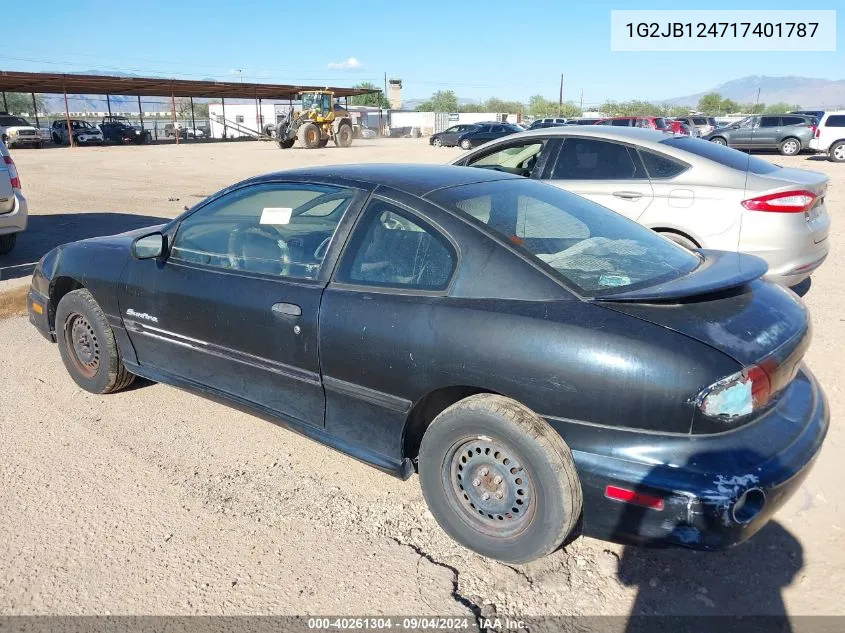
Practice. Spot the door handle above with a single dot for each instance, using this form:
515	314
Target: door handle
286	310
628	195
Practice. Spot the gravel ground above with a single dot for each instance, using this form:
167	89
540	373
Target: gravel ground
155	501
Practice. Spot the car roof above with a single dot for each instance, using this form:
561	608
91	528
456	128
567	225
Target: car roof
632	134
417	180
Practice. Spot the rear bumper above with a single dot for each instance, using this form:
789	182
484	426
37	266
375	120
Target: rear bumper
701	479
14	221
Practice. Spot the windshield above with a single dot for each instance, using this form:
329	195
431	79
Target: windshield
721	154
12	121
595	250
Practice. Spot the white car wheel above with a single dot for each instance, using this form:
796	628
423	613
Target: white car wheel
837	152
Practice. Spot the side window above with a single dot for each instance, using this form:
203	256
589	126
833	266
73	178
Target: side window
749	123
517	159
835	120
770	121
792	120
587	159
660	166
273	229
621	122
391	248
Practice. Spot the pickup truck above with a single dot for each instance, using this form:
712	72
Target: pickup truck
15	131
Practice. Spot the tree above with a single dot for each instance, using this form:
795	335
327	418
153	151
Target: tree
183	109
752	108
540	107
375	99
21	103
711	103
440	101
779	108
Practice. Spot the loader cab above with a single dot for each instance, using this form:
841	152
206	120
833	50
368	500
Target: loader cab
320	102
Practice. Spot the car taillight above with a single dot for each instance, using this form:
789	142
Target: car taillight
783	202
13	172
737	395
816	132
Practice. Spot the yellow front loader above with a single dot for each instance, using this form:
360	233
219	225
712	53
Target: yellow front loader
320	121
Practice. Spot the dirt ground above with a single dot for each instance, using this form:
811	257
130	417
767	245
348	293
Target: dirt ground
154	501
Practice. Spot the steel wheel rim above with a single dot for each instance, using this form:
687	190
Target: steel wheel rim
438	142
839	152
481	466
465	145
84	348
790	147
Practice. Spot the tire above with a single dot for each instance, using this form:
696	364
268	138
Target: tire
343	138
437	142
56	139
837	152
308	135
719	140
323	142
87	344
286	144
681	240
39	145
466	144
484	438
790	147
7	242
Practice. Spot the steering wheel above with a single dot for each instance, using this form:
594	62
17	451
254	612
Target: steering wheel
320	251
237	257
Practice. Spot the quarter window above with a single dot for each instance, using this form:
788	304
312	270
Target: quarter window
660	166
837	120
517	159
393	249
273	229
587	159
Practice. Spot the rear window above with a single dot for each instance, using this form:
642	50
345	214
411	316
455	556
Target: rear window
721	154
595	250
699	120
837	120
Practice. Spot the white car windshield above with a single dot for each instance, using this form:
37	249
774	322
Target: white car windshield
597	251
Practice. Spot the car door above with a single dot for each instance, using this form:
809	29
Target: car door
603	171
744	133
450	135
768	133
525	157
233	308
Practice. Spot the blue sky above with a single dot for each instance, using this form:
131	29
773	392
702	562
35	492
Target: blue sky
506	49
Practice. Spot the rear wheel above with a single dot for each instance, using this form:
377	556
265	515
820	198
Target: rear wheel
7	242
790	147
87	344
323	142
499	480
719	140
309	135
343	138
466	144
837	152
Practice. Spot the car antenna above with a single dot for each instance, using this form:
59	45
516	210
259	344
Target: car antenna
751	143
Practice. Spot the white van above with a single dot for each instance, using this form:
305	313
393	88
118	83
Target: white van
830	136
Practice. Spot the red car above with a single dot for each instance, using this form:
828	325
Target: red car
648	122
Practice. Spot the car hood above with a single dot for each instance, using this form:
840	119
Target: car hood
747	322
19	128
120	240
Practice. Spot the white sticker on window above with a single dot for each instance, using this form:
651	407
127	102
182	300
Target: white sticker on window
276	215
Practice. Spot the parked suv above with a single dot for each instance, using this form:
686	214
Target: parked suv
15	131
787	133
702	124
648	122
84	133
12	202
830	136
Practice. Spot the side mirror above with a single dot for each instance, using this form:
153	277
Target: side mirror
149	246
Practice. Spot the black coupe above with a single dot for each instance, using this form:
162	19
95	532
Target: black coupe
547	366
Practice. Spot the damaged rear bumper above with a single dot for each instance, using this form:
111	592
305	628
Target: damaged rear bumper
715	491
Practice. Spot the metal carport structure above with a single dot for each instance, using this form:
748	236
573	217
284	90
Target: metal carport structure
62	83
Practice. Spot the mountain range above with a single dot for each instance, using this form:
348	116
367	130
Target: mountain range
807	92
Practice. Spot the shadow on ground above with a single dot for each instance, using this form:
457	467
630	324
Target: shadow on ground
45	232
803	288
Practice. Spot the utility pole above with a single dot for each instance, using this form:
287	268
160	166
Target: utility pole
582	102
385	88
560	99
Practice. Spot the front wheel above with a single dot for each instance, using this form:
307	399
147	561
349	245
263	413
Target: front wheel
499	480
7	242
718	140
343	138
309	135
87	344
437	142
790	147
837	152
